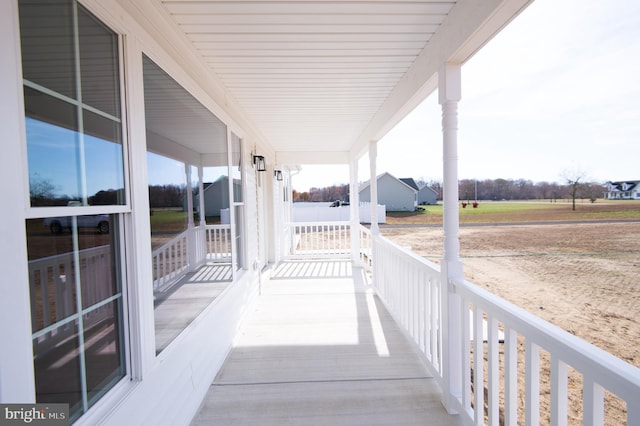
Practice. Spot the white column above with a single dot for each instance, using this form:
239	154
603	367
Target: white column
373	186
354	210
449	90
191	236
187	172
203	220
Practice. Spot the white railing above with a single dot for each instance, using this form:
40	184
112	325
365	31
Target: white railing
366	247
53	293
188	250
599	370
170	261
410	286
328	239
316	239
218	243
493	333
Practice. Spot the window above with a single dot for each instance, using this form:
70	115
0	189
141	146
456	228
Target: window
71	74
238	199
191	262
72	106
76	300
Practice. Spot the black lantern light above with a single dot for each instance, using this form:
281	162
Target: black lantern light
259	163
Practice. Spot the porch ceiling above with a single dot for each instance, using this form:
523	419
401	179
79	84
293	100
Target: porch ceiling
319	79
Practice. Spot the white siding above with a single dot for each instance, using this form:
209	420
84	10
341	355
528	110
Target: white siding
427	196
392	193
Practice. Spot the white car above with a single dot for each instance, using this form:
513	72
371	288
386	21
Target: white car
58	224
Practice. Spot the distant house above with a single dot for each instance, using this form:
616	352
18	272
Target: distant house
396	194
623	190
216	197
427	195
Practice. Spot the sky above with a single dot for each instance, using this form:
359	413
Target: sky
557	92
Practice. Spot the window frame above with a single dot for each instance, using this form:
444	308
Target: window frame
240	262
130	350
32	212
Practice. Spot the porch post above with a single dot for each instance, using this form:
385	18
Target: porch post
203	220
191	246
187	172
373	186
449	90
354	210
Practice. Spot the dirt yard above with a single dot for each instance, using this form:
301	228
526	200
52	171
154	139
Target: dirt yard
584	278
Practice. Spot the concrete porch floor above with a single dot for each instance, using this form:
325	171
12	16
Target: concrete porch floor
321	351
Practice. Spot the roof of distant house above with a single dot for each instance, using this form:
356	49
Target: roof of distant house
412	183
367	183
623	185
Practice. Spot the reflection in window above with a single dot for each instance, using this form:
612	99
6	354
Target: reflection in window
75	157
238	189
76	300
216	195
73	124
191	262
236	168
167	191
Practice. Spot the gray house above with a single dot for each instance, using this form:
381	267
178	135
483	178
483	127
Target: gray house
427	195
396	194
216	197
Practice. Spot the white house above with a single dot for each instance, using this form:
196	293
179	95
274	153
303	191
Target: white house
112	96
396	194
623	190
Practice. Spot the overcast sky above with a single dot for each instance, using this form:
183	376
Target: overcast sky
557	90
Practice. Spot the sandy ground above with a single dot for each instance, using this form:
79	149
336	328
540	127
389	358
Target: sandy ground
584	278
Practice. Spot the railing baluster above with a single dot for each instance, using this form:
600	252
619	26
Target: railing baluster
478	366
494	376
593	402
559	395
434	314
465	320
532	386
633	412
510	377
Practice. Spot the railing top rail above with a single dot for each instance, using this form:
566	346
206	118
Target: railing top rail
364	229
220	226
171	241
70	253
323	223
611	372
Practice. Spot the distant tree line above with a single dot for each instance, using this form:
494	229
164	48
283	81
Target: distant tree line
522	189
161	196
329	193
44	193
487	189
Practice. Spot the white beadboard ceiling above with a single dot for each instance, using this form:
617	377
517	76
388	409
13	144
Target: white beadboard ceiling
319	79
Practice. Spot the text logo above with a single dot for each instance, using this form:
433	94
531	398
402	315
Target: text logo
34	414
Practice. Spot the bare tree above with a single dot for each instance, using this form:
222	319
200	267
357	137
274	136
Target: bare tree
41	191
574	179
